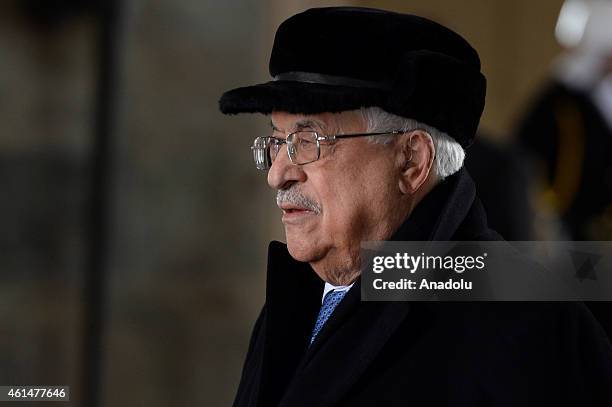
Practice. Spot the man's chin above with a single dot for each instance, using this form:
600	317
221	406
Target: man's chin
302	251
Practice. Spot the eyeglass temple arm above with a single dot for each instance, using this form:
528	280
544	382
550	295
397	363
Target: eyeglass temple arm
395	132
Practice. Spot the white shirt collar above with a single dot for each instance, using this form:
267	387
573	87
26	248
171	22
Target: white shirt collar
329	287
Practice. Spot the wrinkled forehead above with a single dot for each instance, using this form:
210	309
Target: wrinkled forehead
327	123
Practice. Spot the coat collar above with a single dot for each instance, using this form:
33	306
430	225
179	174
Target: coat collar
290	316
289	365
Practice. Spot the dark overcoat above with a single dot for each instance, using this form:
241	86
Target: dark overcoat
421	353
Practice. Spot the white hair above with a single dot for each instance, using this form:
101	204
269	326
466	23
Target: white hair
449	154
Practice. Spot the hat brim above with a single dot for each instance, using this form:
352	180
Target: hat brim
299	98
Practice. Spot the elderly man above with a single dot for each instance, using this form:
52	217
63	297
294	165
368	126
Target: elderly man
370	114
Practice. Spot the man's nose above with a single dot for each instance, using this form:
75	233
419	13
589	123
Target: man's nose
283	172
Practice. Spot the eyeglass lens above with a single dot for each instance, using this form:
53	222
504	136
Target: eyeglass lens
302	147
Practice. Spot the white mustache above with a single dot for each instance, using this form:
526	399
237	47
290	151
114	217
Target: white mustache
295	197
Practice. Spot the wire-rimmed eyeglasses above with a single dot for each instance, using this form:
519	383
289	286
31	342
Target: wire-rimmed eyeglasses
303	147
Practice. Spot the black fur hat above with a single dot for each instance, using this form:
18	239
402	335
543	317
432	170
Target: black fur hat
343	58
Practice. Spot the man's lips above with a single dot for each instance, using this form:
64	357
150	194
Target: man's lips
289	208
293	212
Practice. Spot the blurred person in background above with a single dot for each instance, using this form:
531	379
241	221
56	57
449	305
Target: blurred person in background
370	114
567	130
567	133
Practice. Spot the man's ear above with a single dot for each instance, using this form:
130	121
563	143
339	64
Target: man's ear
416	155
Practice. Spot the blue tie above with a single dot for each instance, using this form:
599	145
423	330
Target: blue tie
331	300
